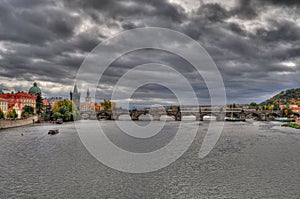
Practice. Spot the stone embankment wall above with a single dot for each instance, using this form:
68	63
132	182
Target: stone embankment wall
18	122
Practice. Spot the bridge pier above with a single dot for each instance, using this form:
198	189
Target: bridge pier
201	117
156	117
243	117
220	117
134	117
178	117
115	117
262	117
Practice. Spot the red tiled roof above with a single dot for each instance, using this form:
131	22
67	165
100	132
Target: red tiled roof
3	99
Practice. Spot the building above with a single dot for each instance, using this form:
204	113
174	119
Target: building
45	103
4	105
75	97
87	104
88	96
113	105
35	90
296	109
52	100
19	100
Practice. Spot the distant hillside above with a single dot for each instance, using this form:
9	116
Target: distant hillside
291	96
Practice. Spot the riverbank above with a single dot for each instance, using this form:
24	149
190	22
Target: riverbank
5	124
294	125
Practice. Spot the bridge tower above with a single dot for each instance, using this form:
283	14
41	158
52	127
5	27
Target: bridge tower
75	96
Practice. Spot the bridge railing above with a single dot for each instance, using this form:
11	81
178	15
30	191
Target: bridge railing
233	109
212	109
189	109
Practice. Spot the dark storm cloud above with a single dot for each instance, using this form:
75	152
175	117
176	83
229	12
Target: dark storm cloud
286	31
246	9
282	3
37	25
254	43
120	10
213	12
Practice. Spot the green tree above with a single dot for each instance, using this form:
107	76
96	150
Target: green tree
12	114
232	105
57	115
287	111
39	103
65	109
253	104
276	107
27	110
106	105
265	107
1	114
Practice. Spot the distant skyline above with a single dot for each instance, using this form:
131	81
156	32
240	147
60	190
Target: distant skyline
255	44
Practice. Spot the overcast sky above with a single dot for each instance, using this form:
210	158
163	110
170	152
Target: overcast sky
255	44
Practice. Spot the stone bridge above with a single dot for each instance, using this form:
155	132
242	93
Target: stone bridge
156	113
244	114
266	115
177	113
88	114
218	112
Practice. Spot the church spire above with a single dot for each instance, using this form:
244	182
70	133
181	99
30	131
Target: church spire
88	93
75	96
88	97
75	89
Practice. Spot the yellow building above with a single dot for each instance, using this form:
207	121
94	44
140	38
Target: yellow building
4	105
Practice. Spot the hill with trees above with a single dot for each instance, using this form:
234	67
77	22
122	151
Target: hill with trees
288	97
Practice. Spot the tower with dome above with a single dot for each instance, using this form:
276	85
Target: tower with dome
35	90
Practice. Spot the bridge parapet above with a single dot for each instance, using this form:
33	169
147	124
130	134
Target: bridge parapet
211	109
237	110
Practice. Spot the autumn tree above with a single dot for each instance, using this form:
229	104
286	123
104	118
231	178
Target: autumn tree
12	114
65	109
106	105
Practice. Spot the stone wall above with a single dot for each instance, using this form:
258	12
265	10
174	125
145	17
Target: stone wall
19	122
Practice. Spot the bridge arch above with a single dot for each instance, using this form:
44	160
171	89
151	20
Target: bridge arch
219	116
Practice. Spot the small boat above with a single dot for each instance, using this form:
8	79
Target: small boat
284	119
53	132
232	119
59	121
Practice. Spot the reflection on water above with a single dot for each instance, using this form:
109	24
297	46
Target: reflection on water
251	160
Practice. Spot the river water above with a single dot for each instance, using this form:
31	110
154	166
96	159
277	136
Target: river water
251	160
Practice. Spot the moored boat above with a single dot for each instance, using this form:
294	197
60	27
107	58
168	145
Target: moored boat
232	119
284	119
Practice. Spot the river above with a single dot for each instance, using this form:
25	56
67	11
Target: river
251	160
